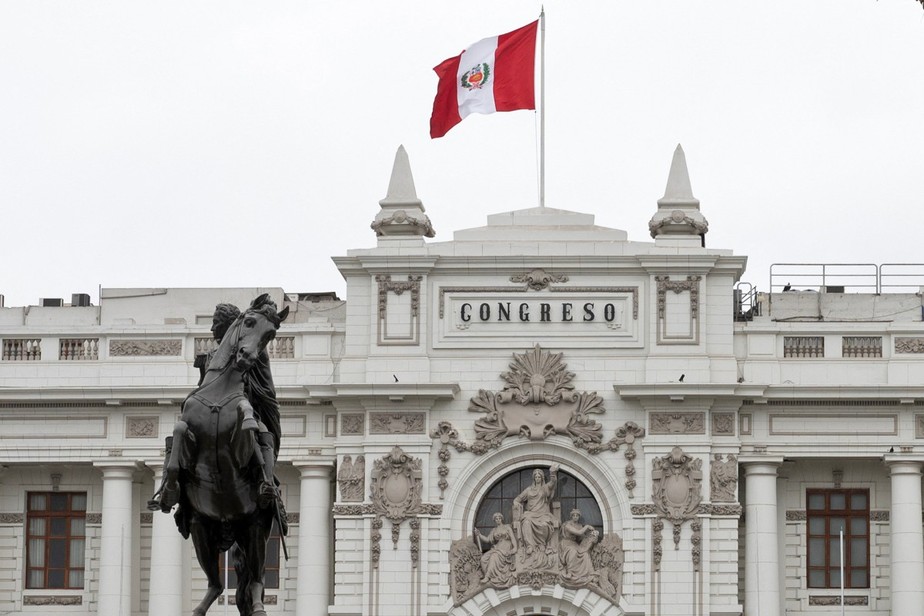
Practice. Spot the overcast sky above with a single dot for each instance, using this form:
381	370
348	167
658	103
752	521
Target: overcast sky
178	144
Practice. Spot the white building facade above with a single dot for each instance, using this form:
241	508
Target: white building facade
652	445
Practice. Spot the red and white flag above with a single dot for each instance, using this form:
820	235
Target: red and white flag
494	74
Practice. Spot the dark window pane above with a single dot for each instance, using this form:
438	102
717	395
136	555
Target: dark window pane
858	552
816	526
272	578
816	552
835	577
859	578
838	501
857	526
858	500
58	527
58	501
55	578
272	552
836	525
57	553
37	502
79	502
816	578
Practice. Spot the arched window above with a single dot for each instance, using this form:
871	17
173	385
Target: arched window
570	493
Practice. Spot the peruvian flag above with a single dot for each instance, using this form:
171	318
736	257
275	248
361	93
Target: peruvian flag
494	74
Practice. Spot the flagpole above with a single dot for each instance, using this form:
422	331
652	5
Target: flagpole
542	109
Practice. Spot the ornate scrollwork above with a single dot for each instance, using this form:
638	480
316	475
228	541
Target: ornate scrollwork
538	279
676	490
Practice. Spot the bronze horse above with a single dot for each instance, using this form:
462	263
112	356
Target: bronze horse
215	469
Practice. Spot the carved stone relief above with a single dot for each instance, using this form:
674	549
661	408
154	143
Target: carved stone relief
537	550
396	486
351	479
7	517
909	345
677	423
723	424
836	600
52	600
396	423
352	424
676	491
723	479
129	348
538	279
141	427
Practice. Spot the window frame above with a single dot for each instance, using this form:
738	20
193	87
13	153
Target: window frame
48	514
830	538
273	565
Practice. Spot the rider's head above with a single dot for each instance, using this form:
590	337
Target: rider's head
222	319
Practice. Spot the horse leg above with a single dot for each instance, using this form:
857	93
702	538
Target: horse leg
253	538
243	441
206	544
170	491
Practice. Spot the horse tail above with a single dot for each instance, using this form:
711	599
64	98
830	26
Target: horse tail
242	594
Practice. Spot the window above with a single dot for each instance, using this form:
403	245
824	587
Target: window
55	539
829	512
273	547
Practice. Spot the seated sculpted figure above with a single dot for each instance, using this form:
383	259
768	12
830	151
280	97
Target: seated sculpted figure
533	520
498	565
577	539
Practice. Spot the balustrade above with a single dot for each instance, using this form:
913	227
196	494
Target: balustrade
861	346
77	349
22	349
803	346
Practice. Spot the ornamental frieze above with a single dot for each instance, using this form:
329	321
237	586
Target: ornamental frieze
909	345
52	600
145	347
677	423
723	478
396	423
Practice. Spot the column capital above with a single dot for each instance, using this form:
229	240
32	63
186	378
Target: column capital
903	465
761	465
114	468
320	468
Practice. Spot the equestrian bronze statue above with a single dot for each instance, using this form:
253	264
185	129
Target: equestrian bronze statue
221	457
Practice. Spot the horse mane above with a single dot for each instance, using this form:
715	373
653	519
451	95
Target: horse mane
226	349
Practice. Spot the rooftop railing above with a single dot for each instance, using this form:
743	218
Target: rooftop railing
847	277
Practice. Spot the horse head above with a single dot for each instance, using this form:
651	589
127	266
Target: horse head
255	328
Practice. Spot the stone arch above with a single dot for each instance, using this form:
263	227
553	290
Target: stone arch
482	471
551	600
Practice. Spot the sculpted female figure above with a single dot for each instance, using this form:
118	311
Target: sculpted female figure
576	541
533	520
498	565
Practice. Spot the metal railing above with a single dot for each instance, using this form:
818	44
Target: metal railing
847	277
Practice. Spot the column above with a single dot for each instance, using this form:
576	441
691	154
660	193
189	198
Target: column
314	542
165	597
115	558
907	573
761	541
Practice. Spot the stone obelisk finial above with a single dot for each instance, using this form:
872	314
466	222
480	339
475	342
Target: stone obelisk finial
678	217
402	215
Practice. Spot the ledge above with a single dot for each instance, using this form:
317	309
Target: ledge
388	392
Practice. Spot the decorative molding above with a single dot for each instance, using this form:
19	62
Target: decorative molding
918	425
353	510
723	424
447	435
836	600
720	509
141	427
10	517
52	599
676	490
661	422
538	279
293	517
723	478
351	479
796	515
665	284
352	424
166	347
909	345
387	285
657	536
146	517
94	518
396	423
402	220
744	424
879	515
537	401
397	481
643	509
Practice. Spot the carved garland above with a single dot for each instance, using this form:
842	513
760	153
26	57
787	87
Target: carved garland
386	285
676	492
